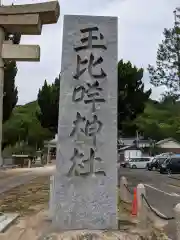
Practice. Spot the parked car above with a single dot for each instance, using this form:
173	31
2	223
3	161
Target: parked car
156	163
138	162
124	164
171	165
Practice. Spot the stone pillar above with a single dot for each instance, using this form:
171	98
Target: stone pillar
29	163
86	160
48	154
51	198
2	35
124	194
141	206
177	219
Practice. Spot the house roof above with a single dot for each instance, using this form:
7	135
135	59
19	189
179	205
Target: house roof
54	141
131	141
128	147
144	141
127	141
167	140
124	148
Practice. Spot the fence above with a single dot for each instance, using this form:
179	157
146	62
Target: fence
144	208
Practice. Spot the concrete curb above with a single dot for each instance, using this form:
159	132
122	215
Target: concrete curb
7	220
176	178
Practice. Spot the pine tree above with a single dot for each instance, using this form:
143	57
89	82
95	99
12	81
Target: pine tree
167	70
48	101
131	96
10	90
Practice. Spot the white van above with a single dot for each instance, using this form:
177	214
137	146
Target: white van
139	162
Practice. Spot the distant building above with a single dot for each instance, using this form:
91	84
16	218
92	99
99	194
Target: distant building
51	148
168	145
132	147
127	152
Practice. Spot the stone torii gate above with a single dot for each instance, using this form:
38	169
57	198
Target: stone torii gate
28	20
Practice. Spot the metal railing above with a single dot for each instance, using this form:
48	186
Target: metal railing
154	211
128	189
145	200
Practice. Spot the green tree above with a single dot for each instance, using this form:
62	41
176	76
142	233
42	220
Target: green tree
131	96
10	90
160	119
15	129
48	100
23	126
167	70
152	122
131	99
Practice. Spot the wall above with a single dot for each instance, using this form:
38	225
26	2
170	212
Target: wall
173	150
8	161
132	153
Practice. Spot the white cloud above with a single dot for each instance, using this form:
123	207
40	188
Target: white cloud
141	23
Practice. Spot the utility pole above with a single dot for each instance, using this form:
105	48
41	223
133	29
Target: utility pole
2	36
137	138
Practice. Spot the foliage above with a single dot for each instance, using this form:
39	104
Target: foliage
131	99
24	128
24	149
155	120
48	101
160	120
131	96
167	70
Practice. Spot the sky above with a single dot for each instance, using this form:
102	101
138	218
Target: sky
140	27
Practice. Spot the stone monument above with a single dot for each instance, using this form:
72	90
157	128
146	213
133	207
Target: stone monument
26	19
86	176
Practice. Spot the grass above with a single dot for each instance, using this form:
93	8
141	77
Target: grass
27	199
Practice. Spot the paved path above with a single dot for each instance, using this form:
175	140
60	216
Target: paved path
23	176
163	192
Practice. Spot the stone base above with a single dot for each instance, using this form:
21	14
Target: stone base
88	203
91	235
